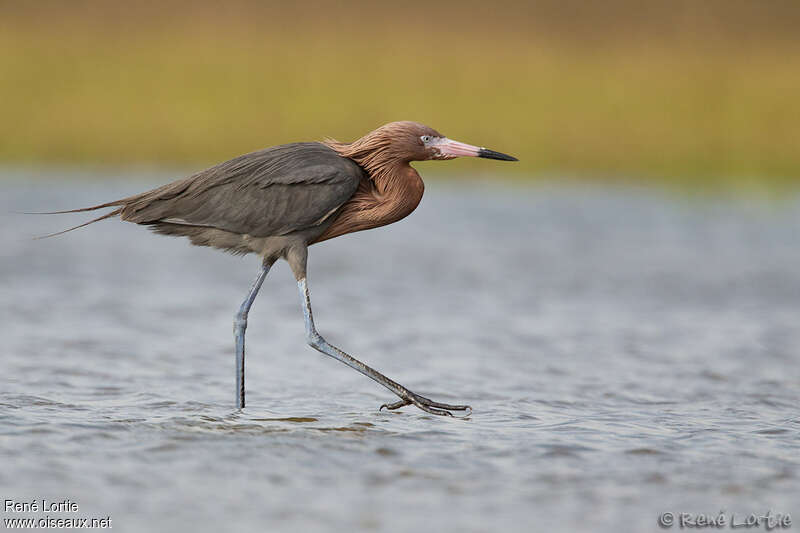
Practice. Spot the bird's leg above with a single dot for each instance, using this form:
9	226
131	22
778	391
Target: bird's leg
239	327
316	341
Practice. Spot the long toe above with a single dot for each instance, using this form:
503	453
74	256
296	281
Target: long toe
432	410
395	405
431	403
427	405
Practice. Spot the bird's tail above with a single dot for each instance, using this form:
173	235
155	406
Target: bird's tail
113	213
81	209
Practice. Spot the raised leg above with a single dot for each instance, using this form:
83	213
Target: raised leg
239	327
316	341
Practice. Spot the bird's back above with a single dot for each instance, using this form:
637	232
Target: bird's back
276	191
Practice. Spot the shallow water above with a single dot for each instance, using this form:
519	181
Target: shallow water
626	354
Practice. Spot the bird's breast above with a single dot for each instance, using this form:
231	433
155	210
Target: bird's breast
378	201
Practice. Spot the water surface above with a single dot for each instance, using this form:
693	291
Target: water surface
625	353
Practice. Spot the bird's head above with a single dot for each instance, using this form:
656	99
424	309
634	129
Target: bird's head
422	143
412	141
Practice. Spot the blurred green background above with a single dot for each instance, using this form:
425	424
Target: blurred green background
699	93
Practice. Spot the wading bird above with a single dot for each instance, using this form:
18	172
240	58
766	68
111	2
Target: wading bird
277	201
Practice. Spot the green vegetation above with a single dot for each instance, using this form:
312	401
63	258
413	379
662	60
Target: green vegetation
685	92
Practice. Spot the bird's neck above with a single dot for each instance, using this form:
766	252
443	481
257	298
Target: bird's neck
398	189
391	192
387	168
394	178
377	155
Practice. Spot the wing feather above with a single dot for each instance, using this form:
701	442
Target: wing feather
274	191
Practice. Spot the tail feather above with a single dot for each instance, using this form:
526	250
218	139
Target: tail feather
113	213
80	210
121	205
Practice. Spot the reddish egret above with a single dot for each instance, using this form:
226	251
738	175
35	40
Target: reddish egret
277	201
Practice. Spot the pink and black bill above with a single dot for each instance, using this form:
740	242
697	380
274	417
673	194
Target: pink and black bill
449	148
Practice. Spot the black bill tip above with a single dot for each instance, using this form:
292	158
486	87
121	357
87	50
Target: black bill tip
491	154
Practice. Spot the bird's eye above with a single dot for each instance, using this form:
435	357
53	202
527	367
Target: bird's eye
426	139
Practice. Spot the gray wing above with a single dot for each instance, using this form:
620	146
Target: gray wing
274	191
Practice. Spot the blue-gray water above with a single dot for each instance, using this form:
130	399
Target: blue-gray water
626	354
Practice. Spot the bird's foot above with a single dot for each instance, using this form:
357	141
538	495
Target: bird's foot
427	405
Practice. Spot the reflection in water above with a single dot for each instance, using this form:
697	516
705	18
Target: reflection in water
625	354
